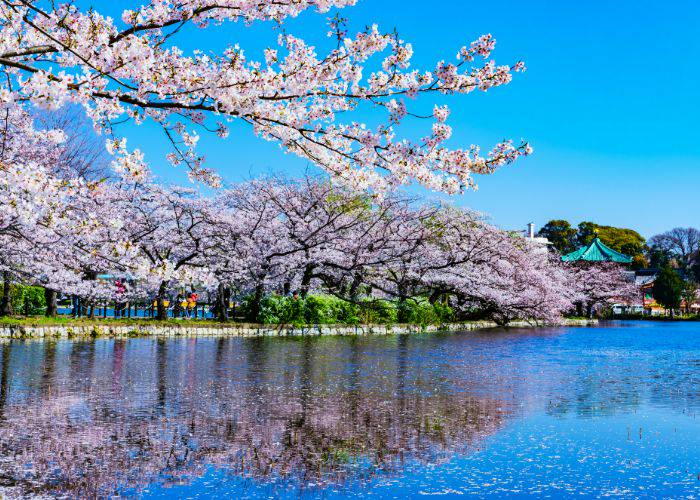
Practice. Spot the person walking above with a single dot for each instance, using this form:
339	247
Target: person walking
177	308
191	305
183	306
119	304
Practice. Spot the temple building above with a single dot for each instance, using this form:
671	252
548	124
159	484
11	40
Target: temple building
597	252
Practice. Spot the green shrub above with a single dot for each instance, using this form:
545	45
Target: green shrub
327	309
348	313
378	311
271	310
275	309
26	300
293	311
420	311
444	312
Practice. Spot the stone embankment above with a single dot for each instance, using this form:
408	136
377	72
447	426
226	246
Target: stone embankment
243	330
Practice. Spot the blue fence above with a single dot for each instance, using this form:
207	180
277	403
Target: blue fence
100	312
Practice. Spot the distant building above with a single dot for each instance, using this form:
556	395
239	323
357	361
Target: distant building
644	279
529	233
597	251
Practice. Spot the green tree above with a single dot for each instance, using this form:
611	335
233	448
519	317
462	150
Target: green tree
560	234
695	269
690	294
657	257
668	289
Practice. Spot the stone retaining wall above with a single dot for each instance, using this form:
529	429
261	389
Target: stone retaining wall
242	330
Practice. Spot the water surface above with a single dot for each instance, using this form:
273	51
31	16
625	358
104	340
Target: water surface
604	411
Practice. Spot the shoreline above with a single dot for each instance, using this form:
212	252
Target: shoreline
249	330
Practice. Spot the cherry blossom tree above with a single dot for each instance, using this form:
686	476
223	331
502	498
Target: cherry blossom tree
83	154
598	284
282	235
277	236
474	265
61	230
50	225
36	203
159	237
67	223
323	225
526	283
251	242
131	68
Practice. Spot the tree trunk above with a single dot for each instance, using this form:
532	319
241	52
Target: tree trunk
51	306
434	297
222	303
255	306
402	313
6	302
162	311
354	291
306	280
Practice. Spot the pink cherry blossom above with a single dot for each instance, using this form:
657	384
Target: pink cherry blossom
298	96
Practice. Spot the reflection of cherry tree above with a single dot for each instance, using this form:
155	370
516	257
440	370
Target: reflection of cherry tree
289	414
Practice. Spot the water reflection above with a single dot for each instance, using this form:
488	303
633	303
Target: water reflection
115	417
99	418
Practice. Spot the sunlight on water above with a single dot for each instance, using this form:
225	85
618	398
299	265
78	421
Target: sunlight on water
605	411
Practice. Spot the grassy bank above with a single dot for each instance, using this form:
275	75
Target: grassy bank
65	321
106	322
70	321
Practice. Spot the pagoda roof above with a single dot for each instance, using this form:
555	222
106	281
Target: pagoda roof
597	252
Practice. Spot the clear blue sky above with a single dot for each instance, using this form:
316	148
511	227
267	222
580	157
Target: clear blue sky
609	102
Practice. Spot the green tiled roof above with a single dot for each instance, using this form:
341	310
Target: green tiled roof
597	252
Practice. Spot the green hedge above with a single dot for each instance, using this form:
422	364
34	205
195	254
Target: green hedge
327	309
420	311
26	300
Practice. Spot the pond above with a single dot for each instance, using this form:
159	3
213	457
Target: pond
609	410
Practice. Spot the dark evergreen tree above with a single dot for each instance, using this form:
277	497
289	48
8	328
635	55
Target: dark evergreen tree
560	234
668	289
